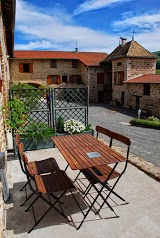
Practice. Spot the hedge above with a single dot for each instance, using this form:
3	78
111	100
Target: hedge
146	123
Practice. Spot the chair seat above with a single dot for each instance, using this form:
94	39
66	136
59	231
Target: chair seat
43	166
99	173
55	182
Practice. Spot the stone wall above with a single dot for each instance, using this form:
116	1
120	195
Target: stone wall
148	103
132	67
4	75
137	66
42	68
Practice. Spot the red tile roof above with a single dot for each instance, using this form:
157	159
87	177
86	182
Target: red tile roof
148	78
88	58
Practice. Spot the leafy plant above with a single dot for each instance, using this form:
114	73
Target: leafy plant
60	124
16	114
146	123
152	118
88	127
38	132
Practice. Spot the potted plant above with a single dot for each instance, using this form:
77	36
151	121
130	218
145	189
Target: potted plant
37	136
73	127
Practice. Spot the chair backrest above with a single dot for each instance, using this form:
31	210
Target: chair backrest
20	153
114	136
17	139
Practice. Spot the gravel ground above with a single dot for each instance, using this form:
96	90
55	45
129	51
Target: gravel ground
145	141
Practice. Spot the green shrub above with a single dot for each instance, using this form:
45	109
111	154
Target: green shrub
146	123
60	124
37	132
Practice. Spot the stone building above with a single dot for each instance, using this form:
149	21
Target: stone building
7	19
59	68
144	92
128	61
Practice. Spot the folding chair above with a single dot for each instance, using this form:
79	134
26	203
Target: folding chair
47	184
102	174
36	167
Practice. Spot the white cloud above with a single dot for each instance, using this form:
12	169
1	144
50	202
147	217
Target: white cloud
142	21
90	5
34	25
35	45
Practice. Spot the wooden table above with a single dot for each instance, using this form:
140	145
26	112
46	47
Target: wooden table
74	149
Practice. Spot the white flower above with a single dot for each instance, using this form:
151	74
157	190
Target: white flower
72	126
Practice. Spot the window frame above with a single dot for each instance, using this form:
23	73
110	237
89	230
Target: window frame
100	78
74	63
146	89
53	63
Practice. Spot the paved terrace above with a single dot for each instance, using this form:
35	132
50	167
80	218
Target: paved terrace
140	218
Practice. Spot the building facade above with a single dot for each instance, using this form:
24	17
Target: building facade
58	69
128	61
7	15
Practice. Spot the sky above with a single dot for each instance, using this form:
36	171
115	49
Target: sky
90	25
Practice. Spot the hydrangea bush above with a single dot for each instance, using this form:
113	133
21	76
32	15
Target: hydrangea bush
72	126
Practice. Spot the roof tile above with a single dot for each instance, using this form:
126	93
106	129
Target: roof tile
148	78
88	58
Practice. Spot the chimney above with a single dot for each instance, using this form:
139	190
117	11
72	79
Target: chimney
76	49
123	41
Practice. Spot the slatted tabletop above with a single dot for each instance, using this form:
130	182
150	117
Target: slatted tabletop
74	149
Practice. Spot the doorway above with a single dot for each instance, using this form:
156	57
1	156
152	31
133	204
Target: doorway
100	96
137	102
64	79
122	98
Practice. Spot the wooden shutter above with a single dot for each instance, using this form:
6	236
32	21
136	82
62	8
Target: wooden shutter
21	67
58	79
100	78
49	80
121	77
31	68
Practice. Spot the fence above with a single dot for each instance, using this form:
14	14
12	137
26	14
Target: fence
46	105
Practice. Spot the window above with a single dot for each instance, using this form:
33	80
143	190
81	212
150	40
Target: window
119	63
118	77
53	63
75	79
25	67
0	85
53	79
100	78
146	89
74	63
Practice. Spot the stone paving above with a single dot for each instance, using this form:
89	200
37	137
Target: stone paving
140	218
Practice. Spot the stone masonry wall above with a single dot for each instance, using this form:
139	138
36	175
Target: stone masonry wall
41	70
132	67
148	103
4	73
136	67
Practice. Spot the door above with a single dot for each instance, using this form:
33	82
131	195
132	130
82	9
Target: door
122	98
137	102
100	96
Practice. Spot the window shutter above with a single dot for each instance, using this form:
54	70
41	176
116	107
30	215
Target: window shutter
31	68
21	67
70	79
121	77
49	80
58	79
100	78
